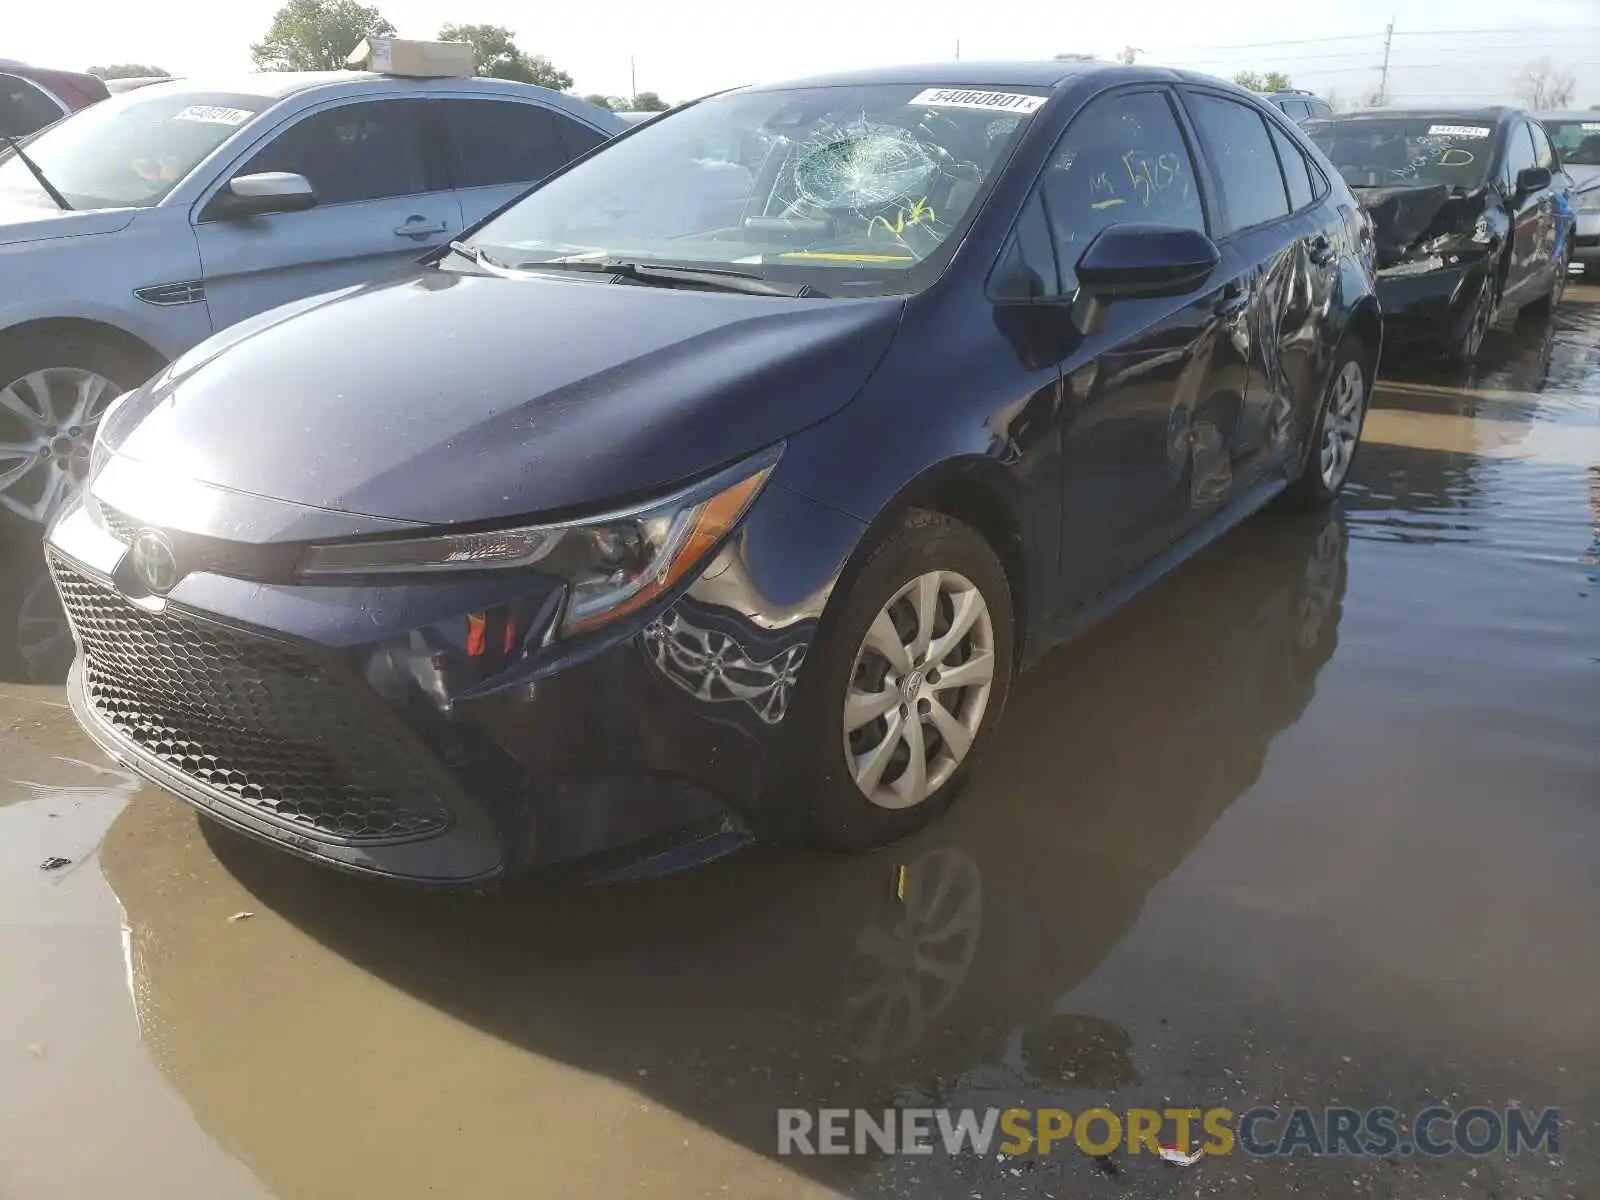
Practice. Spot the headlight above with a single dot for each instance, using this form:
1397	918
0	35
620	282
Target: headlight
1421	266
612	564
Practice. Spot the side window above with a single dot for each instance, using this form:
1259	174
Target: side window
24	109
1320	108
1237	142
1296	171
367	151
1123	158
1519	153
1543	155
501	141
1027	269
1296	110
579	138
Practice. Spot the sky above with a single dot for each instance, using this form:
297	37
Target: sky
687	49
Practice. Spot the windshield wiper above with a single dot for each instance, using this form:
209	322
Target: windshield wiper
482	257
710	278
33	168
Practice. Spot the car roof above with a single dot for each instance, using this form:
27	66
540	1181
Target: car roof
963	73
281	84
1492	114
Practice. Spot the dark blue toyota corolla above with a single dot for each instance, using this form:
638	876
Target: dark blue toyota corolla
721	485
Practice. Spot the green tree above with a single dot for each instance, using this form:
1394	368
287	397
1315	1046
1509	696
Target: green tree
1258	81
130	71
495	51
602	101
316	35
649	102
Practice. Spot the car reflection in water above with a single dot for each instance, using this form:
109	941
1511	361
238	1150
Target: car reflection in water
35	639
770	978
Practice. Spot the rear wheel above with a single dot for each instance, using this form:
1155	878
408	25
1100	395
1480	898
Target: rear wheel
52	394
1337	434
905	684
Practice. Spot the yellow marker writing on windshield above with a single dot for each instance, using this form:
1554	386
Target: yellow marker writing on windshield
840	256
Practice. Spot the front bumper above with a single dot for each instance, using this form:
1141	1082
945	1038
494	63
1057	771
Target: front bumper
434	732
1429	308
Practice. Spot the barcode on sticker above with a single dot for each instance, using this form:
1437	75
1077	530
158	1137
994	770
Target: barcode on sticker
1460	131
1011	102
211	114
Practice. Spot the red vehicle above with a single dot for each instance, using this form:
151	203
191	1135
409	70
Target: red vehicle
33	97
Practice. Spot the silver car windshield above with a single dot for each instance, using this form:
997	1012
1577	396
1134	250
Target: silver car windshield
1578	142
131	150
853	187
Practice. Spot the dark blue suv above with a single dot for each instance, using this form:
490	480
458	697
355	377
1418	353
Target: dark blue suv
721	484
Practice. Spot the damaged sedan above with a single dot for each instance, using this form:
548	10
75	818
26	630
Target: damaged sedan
1472	219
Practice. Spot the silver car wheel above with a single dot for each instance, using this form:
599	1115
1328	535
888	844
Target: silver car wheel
1341	428
921	682
47	424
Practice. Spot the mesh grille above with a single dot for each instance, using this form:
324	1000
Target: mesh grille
119	526
257	720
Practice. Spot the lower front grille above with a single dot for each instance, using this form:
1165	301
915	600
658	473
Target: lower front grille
259	721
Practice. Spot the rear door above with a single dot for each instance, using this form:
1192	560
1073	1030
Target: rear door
497	148
1273	247
1150	395
382	201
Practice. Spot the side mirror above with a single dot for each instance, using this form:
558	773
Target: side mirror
1532	179
258	195
1139	261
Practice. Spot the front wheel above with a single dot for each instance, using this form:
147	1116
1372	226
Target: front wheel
1474	327
1337	434
905	684
52	395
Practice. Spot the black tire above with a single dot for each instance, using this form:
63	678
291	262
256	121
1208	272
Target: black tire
1476	322
1308	488
124	367
834	811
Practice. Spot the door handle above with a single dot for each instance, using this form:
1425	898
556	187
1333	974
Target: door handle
1321	250
418	227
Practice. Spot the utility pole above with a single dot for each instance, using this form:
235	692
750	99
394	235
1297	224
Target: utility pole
633	79
1383	82
958	49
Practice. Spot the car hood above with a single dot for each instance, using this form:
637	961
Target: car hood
445	397
1584	178
22	221
1404	217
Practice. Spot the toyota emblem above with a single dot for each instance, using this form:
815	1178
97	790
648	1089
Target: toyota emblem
154	561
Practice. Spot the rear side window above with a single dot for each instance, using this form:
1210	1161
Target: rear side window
1296	109
501	141
1123	159
1240	150
24	109
367	151
1296	171
1319	108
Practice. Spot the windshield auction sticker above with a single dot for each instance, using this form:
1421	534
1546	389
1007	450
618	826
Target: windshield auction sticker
211	114
1459	131
1011	102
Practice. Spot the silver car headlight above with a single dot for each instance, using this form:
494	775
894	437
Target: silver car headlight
613	564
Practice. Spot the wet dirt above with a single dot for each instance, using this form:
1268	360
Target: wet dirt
1314	822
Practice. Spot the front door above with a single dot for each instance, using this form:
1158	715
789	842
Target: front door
381	204
1531	220
1151	396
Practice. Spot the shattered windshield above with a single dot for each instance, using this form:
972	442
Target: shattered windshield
850	188
1578	142
1414	152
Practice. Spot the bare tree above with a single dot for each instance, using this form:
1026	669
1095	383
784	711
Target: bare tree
1541	87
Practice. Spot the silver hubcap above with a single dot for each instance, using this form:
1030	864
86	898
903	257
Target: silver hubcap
1480	323
47	423
919	688
1342	426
